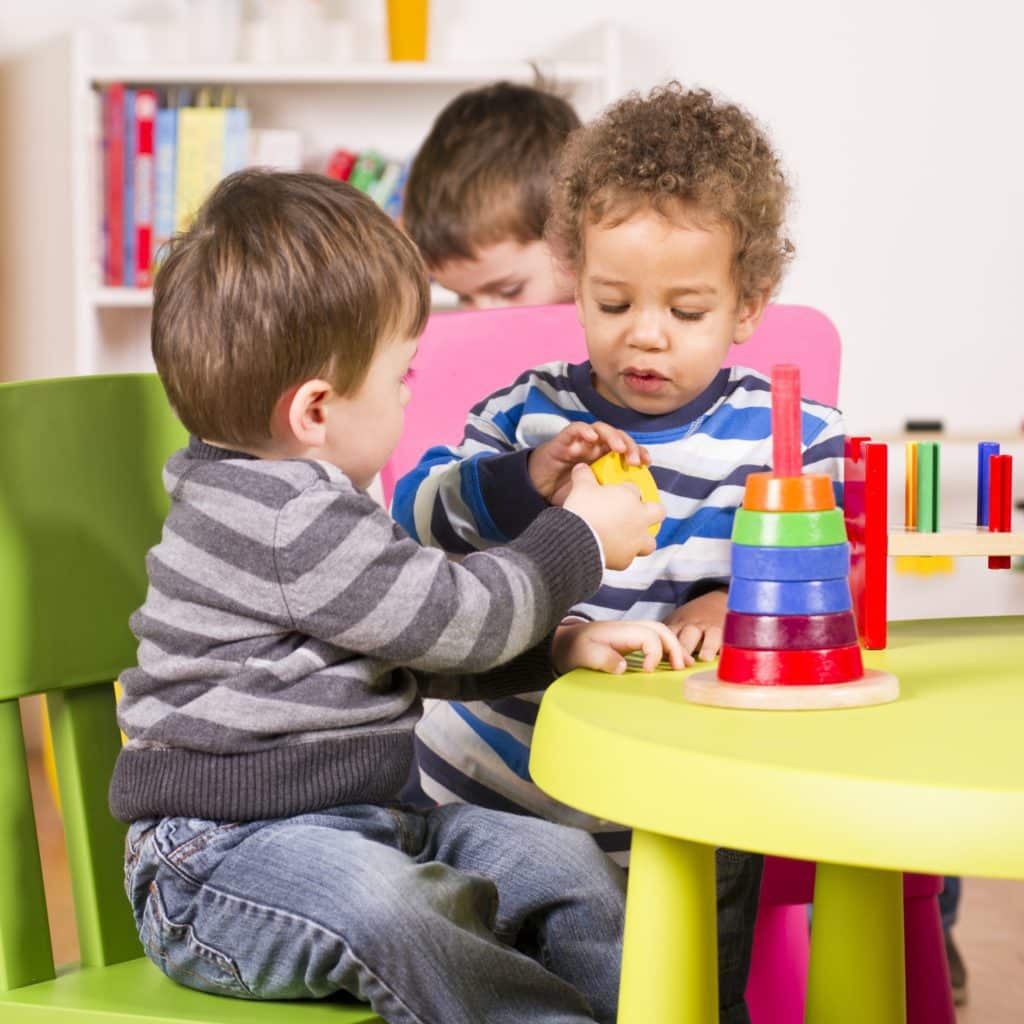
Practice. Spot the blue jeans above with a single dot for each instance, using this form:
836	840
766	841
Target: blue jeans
456	914
738	891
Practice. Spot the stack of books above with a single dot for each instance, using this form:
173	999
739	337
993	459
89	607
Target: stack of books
162	152
383	180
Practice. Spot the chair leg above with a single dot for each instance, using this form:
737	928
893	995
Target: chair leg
857	964
929	995
778	968
670	948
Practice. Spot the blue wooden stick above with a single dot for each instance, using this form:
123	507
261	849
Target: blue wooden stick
986	449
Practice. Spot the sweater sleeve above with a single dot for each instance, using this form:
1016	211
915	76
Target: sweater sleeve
532	670
465	497
352	577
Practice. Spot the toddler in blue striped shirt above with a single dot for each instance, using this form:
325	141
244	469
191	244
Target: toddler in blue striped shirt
670	210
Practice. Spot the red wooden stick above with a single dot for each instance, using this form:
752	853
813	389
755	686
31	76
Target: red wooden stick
1000	502
786	434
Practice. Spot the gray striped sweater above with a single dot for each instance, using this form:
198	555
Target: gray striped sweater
291	628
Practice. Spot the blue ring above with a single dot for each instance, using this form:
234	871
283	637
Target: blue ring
801	597
824	562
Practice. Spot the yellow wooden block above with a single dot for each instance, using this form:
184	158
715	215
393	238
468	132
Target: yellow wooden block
611	469
925	565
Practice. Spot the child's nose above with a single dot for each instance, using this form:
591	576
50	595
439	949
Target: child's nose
647	331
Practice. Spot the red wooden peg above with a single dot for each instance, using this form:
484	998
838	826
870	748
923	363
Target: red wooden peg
786	434
1000	502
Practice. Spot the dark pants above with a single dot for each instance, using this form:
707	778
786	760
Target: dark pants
949	902
738	892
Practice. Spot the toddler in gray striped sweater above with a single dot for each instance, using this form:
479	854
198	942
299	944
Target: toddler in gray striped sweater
291	629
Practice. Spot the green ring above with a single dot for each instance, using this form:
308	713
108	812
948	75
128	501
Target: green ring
788	529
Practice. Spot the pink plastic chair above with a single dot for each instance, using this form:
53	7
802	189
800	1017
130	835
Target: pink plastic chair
464	357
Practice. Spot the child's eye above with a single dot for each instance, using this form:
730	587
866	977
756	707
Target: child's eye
686	314
512	293
608	307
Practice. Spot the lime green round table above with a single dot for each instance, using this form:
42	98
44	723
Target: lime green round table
931	783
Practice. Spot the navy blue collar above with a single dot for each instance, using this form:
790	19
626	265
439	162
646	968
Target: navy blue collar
637	422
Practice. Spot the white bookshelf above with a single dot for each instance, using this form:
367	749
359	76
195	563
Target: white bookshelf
56	317
354	73
142	298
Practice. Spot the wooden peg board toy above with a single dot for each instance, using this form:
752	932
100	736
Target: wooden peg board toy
790	638
873	540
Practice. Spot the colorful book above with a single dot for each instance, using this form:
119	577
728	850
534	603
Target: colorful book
200	159
340	164
393	204
166	146
380	191
113	182
128	192
368	168
145	118
236	139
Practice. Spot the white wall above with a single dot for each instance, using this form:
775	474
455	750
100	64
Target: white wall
899	122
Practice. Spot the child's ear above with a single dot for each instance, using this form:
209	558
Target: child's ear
749	316
304	412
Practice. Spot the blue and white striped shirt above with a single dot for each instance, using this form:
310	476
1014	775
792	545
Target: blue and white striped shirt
479	493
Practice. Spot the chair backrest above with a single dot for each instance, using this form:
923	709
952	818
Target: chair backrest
81	501
463	357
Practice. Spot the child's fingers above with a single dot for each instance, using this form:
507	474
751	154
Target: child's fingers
613	439
579	432
672	648
602	657
689	636
711	645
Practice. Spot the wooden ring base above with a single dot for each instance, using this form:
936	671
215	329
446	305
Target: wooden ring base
873	688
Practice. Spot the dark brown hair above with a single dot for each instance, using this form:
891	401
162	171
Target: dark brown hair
281	278
484	172
677	146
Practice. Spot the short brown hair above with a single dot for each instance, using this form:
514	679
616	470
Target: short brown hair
281	278
484	172
677	145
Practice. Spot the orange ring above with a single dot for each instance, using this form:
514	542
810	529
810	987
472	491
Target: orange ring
811	492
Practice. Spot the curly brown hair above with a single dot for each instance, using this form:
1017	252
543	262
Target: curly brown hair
676	146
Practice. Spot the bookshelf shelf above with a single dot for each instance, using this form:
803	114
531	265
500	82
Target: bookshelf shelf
365	73
142	298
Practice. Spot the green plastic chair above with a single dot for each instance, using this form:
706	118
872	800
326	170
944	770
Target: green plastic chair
81	501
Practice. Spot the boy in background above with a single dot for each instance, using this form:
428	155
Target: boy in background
476	199
291	628
670	210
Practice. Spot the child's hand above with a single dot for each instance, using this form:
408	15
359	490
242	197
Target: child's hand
699	624
616	514
601	645
551	463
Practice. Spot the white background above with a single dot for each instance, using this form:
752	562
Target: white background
900	123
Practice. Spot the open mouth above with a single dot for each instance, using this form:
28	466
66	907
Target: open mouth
643	381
